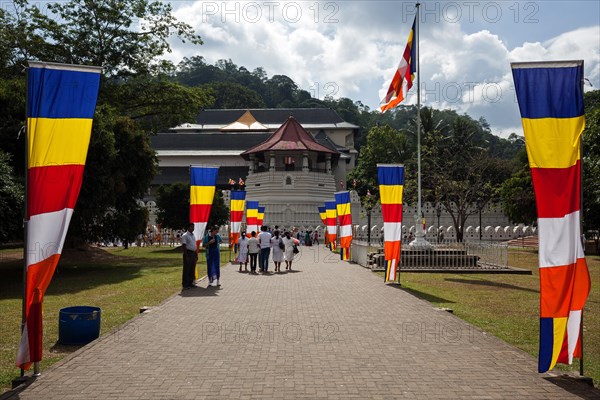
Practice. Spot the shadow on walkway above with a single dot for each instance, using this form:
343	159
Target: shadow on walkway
575	386
422	295
200	292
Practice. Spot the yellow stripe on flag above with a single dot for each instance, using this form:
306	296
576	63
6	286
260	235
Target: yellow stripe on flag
560	327
391	194
58	141
330	214
202	194
252	213
553	142
237	205
343	209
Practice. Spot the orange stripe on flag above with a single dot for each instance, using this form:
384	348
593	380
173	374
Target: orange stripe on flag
563	289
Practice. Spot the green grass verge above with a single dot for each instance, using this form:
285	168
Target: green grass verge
118	281
507	306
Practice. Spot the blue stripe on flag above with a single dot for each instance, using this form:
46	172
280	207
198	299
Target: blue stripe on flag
546	344
237	195
390	175
58	93
549	92
342	197
203	176
253	205
330	205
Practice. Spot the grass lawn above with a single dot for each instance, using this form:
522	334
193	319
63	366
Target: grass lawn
507	306
118	281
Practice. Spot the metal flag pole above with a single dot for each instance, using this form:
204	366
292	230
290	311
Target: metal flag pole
419	234
25	221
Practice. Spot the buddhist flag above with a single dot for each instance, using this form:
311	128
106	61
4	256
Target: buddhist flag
323	215
550	97
251	217
331	234
342	200
261	215
391	186
61	100
404	75
202	192
237	201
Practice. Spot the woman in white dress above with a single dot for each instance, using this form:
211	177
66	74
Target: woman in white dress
289	242
242	256
276	245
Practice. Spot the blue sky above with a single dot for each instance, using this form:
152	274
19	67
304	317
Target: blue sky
351	48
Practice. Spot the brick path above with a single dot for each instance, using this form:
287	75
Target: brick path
332	330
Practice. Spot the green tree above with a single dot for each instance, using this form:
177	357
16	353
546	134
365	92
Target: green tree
385	145
124	37
219	212
11	202
518	198
462	176
173	203
591	166
233	95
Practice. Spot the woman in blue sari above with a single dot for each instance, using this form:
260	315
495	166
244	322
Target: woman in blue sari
211	243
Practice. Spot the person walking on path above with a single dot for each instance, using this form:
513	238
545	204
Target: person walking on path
278	247
190	257
253	250
316	237
211	243
264	238
242	256
288	254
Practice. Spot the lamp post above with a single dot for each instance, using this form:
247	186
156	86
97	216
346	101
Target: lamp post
438	212
368	224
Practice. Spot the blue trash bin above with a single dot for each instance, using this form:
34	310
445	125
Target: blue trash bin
78	325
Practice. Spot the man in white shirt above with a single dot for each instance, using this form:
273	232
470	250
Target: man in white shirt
190	257
264	238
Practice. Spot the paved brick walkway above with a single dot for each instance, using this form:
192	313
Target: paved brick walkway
331	330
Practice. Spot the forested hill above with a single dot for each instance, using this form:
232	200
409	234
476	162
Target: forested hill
235	86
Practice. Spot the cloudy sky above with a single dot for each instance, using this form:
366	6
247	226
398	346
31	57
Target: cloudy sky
351	48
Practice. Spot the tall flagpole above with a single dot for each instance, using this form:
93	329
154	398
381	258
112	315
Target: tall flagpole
419	235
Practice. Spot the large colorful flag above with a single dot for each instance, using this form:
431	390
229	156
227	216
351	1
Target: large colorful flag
61	100
342	200
237	201
251	217
202	193
330	207
404	75
391	187
550	97
261	215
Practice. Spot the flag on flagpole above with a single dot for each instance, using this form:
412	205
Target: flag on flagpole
550	98
236	213
391	187
330	207
261	215
241	182
404	75
323	215
342	200
251	217
231	182
202	192
61	100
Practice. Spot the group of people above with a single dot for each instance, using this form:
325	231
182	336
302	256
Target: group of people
255	250
282	245
212	243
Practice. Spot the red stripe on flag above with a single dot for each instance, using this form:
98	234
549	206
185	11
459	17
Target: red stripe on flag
563	289
557	190
236	216
391	212
53	188
199	212
345	219
251	221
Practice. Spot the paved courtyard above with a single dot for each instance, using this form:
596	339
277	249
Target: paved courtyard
329	330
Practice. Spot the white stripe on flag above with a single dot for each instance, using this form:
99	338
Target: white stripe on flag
252	228
235	227
573	331
331	229
46	234
392	231
199	228
560	241
345	230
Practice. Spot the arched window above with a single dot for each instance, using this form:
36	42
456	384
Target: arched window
288	180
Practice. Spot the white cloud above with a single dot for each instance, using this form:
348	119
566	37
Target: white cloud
351	49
